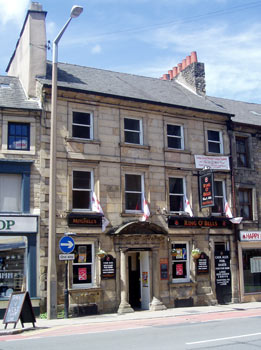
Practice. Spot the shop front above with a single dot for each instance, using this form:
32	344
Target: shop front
18	236
249	251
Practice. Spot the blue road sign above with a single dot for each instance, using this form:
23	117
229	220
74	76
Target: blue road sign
66	244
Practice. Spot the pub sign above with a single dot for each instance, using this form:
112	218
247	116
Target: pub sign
108	267
206	190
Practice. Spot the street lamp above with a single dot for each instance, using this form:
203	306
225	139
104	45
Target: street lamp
51	269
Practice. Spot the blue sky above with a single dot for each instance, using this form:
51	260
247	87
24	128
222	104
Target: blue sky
149	37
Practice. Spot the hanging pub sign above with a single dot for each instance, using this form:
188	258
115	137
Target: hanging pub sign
206	190
108	267
84	220
202	263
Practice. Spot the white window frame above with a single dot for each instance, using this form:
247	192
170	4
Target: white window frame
84	190
93	283
223	198
90	126
141	193
177	194
187	279
19	196
220	142
140	131
181	137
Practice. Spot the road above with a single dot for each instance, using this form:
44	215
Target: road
223	331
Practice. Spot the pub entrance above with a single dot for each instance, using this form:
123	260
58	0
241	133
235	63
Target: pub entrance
223	274
139	280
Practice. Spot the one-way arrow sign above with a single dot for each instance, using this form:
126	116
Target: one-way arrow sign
66	244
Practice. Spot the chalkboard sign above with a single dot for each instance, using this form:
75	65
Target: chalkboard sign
108	267
203	263
19	307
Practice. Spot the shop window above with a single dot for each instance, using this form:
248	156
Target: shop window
252	270
83	265
176	194
13	257
245	203
133	131
82	190
219	188
175	136
134	192
180	262
82	125
10	193
215	144
242	152
19	136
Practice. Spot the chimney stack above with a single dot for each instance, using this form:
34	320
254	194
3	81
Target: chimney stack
190	73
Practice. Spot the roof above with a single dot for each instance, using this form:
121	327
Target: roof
244	112
12	95
122	85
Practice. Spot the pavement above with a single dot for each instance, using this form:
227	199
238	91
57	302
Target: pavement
137	315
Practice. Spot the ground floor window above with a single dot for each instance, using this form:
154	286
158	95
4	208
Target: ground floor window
252	270
13	261
180	262
83	265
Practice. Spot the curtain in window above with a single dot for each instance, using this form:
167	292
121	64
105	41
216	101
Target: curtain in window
10	192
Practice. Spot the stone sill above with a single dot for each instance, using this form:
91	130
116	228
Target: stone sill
182	285
79	140
174	150
133	145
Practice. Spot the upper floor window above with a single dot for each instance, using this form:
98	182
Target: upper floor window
82	190
134	192
180	262
10	192
176	194
82	125
19	136
215	143
245	203
242	152
133	131
83	265
219	188
175	136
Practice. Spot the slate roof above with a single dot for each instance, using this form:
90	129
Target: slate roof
244	112
129	86
12	95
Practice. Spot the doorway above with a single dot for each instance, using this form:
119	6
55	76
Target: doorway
139	280
223	273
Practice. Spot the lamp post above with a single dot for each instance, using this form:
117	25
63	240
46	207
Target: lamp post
51	269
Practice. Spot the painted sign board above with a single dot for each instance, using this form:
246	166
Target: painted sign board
212	162
250	236
66	256
21	224
108	267
198	222
206	190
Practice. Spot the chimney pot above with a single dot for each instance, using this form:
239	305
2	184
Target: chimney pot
165	76
194	57
179	67
188	60
36	6
183	64
175	71
170	74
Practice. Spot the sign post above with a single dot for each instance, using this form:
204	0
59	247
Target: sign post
66	245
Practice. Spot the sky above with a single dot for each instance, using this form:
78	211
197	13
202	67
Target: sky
150	37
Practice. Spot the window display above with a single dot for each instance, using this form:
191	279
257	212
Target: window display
252	270
12	265
83	265
180	266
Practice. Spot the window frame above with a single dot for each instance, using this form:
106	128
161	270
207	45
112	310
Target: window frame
93	267
177	194
187	262
181	137
90	126
222	213
142	192
245	154
27	137
139	132
220	142
83	190
250	204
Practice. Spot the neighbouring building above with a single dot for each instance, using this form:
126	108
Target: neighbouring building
156	153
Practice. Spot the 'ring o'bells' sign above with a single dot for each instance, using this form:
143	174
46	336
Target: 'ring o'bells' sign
19	224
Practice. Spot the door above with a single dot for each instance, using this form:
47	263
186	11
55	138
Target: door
134	280
145	280
223	274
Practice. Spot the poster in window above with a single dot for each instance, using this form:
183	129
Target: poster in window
82	274
145	279
179	253
82	254
179	269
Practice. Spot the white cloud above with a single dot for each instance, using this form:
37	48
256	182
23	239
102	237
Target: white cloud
13	10
96	49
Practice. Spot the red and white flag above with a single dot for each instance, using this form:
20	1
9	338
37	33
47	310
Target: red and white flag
187	208
146	211
98	209
227	209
